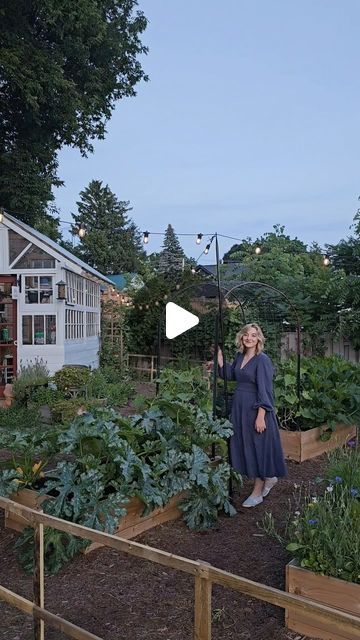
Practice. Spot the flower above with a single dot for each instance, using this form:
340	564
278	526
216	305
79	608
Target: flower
297	513
330	488
312	521
314	500
351	443
338	479
354	492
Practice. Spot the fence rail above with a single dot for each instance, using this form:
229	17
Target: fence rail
147	364
205	576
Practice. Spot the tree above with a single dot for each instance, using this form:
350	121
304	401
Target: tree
112	242
63	66
319	293
273	240
172	257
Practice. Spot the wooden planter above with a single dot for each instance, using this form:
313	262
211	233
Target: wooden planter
332	592
28	498
133	523
303	445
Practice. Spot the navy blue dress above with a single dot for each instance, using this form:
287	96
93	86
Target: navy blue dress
256	455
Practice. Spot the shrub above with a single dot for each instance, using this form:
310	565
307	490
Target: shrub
71	377
30	377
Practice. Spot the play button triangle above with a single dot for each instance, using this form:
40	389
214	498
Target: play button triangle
178	320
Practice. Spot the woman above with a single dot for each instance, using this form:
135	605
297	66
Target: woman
255	446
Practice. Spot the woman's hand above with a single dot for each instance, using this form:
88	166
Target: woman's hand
260	425
220	358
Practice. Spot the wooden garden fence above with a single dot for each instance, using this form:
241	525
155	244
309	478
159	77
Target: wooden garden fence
204	574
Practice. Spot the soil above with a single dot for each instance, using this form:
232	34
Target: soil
118	596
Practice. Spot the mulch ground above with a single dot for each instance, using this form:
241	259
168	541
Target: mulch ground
121	597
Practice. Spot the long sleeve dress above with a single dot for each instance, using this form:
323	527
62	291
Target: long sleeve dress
256	455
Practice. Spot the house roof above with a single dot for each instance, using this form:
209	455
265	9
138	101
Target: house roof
56	247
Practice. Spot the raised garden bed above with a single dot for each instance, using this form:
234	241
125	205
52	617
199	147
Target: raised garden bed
29	498
326	590
303	445
133	523
130	525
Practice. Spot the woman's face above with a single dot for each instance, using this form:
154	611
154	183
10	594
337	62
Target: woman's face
250	338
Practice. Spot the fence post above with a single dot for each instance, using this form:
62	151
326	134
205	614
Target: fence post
203	589
38	579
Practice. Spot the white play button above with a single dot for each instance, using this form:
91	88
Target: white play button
178	320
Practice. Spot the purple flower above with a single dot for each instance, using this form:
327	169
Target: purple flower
354	492
338	479
351	443
312	521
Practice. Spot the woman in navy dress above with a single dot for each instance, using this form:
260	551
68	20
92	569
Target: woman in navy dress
255	447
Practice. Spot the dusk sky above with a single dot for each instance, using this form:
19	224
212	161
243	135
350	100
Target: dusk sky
250	118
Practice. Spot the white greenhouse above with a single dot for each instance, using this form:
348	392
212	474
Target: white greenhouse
49	302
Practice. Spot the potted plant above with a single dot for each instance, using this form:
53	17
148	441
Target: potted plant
324	539
329	406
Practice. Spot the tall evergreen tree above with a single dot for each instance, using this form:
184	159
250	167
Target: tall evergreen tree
172	257
112	242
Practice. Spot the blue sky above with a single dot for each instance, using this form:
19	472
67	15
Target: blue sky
250	118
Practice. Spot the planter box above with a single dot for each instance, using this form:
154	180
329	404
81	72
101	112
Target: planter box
28	498
332	592
133	523
303	445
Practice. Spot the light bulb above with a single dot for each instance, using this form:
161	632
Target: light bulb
81	232
257	250
206	250
326	261
199	238
145	237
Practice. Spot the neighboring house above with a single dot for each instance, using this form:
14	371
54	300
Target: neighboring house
124	284
49	302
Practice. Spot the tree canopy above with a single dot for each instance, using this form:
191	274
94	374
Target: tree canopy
63	66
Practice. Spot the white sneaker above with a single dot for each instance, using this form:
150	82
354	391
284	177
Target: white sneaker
251	501
268	486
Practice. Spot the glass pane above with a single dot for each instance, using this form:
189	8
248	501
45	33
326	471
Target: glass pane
5	292
46	290
31	290
35	258
27	330
39	337
50	329
17	244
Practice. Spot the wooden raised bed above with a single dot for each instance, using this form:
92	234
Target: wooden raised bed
28	498
132	524
332	592
303	445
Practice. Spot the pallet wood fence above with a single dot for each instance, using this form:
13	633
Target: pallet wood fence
205	575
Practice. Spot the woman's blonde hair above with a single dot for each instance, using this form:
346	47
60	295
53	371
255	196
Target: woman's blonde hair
239	336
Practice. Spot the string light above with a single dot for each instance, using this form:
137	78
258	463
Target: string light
326	261
146	237
206	250
257	250
193	270
199	238
81	231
